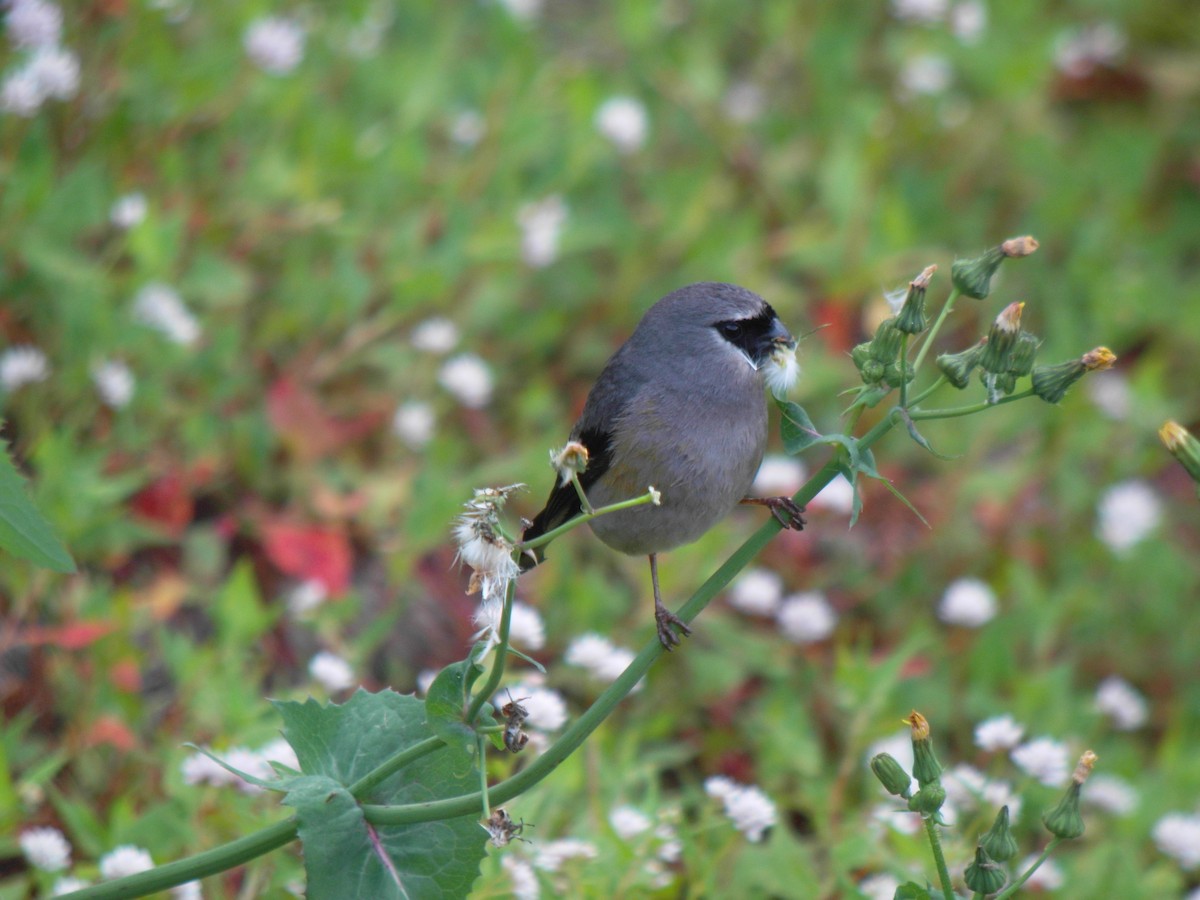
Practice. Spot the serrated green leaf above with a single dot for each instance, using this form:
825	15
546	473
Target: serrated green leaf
344	856
920	438
796	428
24	532
911	891
447	699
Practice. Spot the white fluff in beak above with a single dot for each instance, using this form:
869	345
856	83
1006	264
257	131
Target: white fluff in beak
781	369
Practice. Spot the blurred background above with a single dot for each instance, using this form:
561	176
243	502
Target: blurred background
282	283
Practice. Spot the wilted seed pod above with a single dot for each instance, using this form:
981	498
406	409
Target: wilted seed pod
926	767
973	277
1051	382
892	775
1020	361
1001	339
911	318
885	347
984	875
957	367
929	799
998	842
1183	447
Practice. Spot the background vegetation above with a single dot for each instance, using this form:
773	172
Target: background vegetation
310	216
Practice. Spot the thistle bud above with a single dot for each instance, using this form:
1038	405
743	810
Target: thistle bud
885	347
1002	339
911	318
898	372
860	354
928	800
1065	820
973	277
1020	360
1183	447
926	767
1052	382
957	367
984	875
998	842
570	460
892	775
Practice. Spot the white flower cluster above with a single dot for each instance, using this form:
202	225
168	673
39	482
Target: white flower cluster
331	671
624	122
201	769
599	656
49	70
1047	760
274	44
125	860
967	603
1178	836
748	807
1126	515
46	849
803	618
469	379
967	19
541	223
160	307
1122	703
998	733
22	365
1079	52
114	383
526	629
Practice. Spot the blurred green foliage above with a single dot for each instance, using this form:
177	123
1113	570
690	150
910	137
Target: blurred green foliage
311	220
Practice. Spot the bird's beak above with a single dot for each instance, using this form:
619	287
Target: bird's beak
780	336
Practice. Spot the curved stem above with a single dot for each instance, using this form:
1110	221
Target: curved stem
494	677
973	408
1012	888
939	858
550	535
391	766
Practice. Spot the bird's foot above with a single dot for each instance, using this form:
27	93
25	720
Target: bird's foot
787	512
664	619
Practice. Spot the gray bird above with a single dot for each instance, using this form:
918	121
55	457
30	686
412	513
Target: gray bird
679	407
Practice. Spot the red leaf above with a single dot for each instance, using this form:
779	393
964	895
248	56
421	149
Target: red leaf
167	502
74	636
310	552
299	417
111	730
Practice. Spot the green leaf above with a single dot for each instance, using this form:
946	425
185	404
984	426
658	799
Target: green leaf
344	855
911	891
24	532
796	427
447	701
920	438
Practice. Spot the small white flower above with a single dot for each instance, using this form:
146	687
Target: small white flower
968	602
997	793
33	23
125	860
199	768
274	44
46	849
57	72
1178	836
1126	514
628	822
615	664
743	102
550	856
22	365
757	592
305	597
998	733
189	890
280	751
925	75
437	335
1111	794
114	383
1123	703
526	628
671	848
748	807
624	122
837	496
128	210
68	884
425	680
522	876
414	423
968	20
1045	759
22	93
468	128
523	10
160	307
879	886
964	785
469	379
541	224
547	709
806	617
1110	393
778	476
331	671
588	651
719	786
1078	53
925	12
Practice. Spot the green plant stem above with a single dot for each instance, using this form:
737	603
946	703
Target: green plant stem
925	393
390	767
973	408
500	657
550	535
219	859
584	503
939	858
1012	888
947	307
481	748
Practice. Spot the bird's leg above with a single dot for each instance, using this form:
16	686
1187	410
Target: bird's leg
787	512
663	617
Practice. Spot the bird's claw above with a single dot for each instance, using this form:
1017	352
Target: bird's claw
664	619
787	512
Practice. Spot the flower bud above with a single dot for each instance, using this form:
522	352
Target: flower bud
926	767
984	875
570	460
898	372
998	842
957	367
973	277
1065	820
1051	382
928	800
911	318
1020	360
892	775
1183	447
1002	338
885	347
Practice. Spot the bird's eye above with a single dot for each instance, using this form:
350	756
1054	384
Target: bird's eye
731	330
